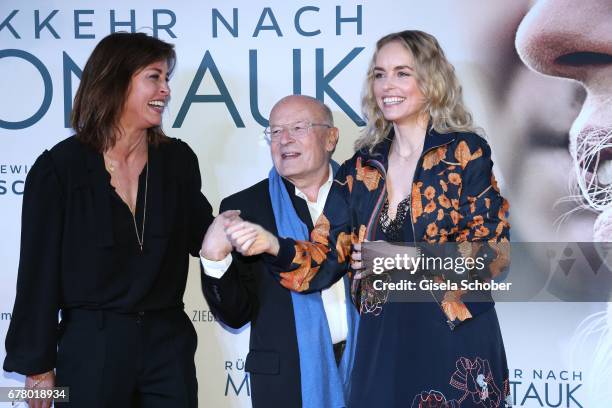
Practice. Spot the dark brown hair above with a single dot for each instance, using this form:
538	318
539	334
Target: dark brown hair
105	81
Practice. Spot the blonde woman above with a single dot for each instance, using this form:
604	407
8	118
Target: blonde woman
420	174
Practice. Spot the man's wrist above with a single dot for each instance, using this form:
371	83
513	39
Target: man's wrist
214	255
274	247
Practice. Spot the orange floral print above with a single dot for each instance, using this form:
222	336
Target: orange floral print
494	182
455	217
481	232
453	307
360	237
432	229
299	278
302	276
440	215
472	201
502	257
454	178
463	235
499	230
320	233
319	253
444	201
344	241
455	203
443	236
477	220
434	157
301	252
343	246
503	210
368	175
416	205
430	193
306	252
464	155
430	207
444	185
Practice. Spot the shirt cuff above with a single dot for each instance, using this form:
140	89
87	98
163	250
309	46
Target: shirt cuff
216	269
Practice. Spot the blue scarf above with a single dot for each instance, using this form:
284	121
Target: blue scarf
324	384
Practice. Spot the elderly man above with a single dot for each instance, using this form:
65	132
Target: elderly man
297	354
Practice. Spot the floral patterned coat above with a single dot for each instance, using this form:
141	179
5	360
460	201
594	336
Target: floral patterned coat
454	198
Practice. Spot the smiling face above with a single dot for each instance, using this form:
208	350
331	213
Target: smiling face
395	87
302	160
146	98
553	39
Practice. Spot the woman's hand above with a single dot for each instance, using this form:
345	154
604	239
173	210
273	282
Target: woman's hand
356	263
251	239
45	380
215	245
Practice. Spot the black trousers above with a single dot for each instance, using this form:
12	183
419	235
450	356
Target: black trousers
117	360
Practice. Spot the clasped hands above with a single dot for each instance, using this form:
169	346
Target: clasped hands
228	231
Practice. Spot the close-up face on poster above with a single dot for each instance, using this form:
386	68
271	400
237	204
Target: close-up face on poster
306	203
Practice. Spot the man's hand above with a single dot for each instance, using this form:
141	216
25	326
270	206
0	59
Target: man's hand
251	239
215	245
45	380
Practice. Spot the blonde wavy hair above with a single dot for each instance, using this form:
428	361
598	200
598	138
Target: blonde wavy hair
437	81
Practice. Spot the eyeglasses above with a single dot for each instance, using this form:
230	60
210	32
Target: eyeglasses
296	130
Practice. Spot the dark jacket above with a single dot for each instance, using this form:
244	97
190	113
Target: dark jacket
71	257
247	292
454	198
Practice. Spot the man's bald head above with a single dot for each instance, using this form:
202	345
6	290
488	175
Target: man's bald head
317	107
304	140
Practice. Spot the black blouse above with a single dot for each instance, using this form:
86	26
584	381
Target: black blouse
79	246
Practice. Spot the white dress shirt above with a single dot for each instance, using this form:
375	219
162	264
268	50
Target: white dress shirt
334	298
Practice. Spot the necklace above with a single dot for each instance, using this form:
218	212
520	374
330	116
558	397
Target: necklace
139	237
417	151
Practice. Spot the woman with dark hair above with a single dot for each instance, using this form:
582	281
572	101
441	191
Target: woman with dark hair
110	216
420	174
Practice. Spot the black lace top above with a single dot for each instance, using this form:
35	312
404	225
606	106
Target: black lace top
393	228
